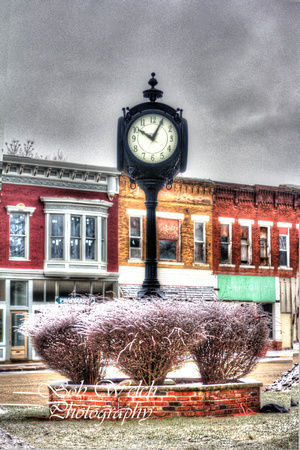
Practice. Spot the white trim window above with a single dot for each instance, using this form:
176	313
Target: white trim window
284	244
200	238
76	235
226	240
246	241
265	242
135	237
199	242
19	231
168	238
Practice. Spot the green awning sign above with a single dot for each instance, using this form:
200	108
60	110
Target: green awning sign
247	288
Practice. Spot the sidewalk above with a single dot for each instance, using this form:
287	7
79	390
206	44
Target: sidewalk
271	356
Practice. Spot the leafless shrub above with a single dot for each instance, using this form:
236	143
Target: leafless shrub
55	337
145	339
235	335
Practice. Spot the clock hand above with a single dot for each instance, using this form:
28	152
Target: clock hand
156	131
146	134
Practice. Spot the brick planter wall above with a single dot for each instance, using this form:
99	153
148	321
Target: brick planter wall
115	402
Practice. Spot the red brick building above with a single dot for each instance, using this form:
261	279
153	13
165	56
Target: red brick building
184	238
59	234
256	250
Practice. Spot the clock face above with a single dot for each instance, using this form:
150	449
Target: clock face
152	138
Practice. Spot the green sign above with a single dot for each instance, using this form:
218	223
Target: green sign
247	288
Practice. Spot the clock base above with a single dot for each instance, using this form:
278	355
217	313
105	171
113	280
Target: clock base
151	292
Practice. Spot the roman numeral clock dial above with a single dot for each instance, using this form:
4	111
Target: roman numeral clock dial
152	138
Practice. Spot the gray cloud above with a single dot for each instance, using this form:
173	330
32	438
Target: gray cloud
232	66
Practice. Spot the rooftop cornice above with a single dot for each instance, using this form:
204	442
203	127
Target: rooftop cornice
58	174
66	165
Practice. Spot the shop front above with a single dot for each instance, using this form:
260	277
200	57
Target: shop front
258	289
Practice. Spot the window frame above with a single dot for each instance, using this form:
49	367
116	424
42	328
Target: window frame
140	237
288	226
246	223
20	209
226	221
100	238
68	207
204	220
169	216
267	225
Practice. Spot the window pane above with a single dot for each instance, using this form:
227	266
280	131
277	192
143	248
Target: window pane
103	239
224	232
90	227
283	258
135	226
18	293
199	252
199	231
168	229
2	290
83	288
66	288
17	247
244	252
57	225
135	243
90	249
17	339
244	232
224	253
75	248
75	226
135	253
282	242
97	288
50	291
38	290
17	224
167	250
57	248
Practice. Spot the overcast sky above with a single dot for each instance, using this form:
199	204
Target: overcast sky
233	66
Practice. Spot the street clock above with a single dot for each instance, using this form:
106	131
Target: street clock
152	139
152	150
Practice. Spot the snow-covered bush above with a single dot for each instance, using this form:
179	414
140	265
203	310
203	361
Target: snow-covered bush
235	335
145	339
55	337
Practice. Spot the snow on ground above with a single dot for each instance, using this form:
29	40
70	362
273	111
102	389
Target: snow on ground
285	382
8	441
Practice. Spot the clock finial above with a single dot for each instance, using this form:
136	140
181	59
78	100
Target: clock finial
153	93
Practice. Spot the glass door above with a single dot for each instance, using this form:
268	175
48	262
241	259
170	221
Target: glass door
18	347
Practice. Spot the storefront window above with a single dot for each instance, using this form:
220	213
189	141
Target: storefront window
83	288
18	293
38	290
66	288
50	291
2	290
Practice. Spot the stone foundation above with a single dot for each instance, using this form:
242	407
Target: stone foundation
114	402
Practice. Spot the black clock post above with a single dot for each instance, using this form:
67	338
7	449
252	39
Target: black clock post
152	150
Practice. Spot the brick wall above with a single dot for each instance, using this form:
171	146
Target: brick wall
30	197
256	203
186	197
169	401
